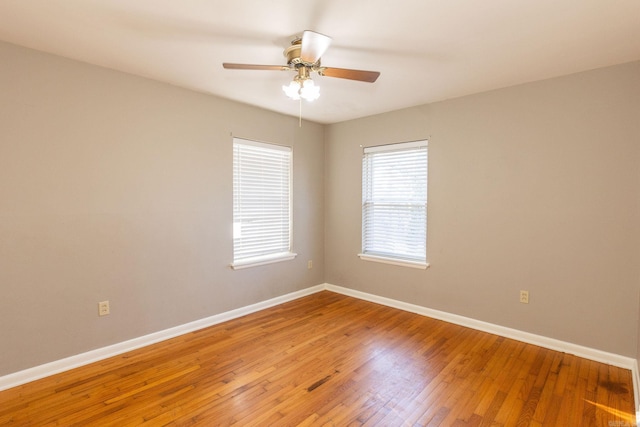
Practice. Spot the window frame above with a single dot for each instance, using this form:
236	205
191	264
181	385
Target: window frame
368	254
270	257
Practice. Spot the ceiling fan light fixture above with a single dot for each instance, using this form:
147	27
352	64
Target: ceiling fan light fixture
309	90
302	89
292	90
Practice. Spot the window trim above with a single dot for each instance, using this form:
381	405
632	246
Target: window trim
399	261
263	260
270	258
394	261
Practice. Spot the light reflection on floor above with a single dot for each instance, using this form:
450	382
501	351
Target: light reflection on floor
626	419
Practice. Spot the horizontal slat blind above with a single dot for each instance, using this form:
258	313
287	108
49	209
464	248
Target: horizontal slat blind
261	200
394	201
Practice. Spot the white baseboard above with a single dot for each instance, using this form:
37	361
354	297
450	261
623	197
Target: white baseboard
35	373
55	367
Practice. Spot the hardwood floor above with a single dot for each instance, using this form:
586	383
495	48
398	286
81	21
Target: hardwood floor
331	360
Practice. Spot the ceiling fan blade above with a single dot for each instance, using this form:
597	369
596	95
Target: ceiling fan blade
232	66
313	46
345	73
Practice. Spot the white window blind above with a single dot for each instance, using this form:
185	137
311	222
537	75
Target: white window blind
261	202
394	202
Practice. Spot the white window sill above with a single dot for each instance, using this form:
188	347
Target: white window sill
263	260
394	261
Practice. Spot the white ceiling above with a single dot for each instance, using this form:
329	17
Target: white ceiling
426	50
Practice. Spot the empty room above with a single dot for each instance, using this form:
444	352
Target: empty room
287	213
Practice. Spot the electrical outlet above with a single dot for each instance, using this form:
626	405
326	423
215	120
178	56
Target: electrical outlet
103	308
309	264
524	297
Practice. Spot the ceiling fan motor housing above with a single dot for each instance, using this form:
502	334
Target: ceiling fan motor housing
293	53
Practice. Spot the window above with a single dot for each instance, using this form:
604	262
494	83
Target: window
394	204
261	203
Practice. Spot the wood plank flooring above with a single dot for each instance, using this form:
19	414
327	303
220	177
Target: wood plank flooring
330	360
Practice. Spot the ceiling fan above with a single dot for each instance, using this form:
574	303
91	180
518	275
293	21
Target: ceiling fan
303	57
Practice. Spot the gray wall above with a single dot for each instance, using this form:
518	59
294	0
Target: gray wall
533	187
116	187
113	187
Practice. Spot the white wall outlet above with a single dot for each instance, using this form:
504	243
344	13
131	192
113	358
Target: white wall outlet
103	308
309	264
524	297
